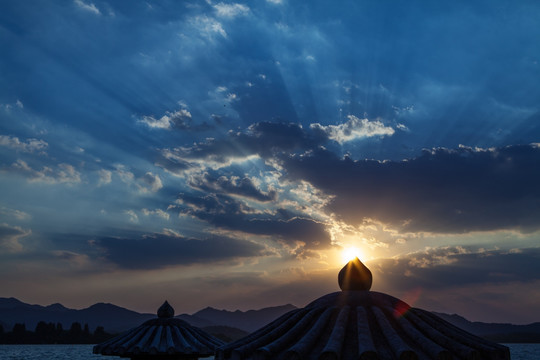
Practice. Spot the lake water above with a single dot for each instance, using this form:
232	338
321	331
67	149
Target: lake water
84	352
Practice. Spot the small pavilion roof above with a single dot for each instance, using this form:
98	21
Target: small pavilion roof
161	338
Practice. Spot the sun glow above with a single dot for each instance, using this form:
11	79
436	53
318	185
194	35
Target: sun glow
349	253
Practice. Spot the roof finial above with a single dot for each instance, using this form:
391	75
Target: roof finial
165	311
355	276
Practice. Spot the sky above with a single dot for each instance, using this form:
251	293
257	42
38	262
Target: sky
226	154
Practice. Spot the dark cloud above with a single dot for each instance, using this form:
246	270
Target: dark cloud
233	185
446	191
263	139
7	231
10	236
448	267
481	285
159	250
171	163
210	205
227	213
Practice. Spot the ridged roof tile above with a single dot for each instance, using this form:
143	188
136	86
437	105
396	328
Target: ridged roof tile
360	324
163	337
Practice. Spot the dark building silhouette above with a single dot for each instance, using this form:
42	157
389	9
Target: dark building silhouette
164	338
357	323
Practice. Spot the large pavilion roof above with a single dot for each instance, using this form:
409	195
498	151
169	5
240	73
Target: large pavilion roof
360	324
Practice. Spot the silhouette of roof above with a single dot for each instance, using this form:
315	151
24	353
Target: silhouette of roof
163	337
360	324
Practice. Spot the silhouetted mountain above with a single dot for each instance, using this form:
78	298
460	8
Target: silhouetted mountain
56	307
111	317
221	323
248	321
225	333
116	319
499	332
196	321
10	303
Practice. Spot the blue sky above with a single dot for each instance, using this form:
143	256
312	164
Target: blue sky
224	154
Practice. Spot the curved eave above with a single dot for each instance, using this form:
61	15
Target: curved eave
161	338
340	326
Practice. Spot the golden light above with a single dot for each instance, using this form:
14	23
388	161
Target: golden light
349	253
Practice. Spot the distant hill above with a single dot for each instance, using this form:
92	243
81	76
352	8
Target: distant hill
111	317
225	333
249	321
227	325
498	332
116	319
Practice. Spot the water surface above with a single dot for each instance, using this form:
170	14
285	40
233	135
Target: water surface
84	352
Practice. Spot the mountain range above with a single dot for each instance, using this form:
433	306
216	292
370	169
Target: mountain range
498	332
231	324
248	321
116	319
113	318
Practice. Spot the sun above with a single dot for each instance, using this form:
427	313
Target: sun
349	253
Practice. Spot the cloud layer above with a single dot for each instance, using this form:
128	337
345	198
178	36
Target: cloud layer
443	190
162	250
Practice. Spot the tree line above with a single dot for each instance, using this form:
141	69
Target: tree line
50	333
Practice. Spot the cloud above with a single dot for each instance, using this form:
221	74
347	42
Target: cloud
477	283
160	250
441	191
132	215
14	213
223	101
67	174
208	27
87	7
10	237
172	161
105	177
29	145
158	212
230	10
263	139
62	174
436	257
179	119
149	183
227	213
73	259
354	129
125	175
447	267
233	185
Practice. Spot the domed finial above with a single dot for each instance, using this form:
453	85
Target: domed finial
165	311
355	276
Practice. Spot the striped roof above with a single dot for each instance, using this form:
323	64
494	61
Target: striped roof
164	337
360	324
